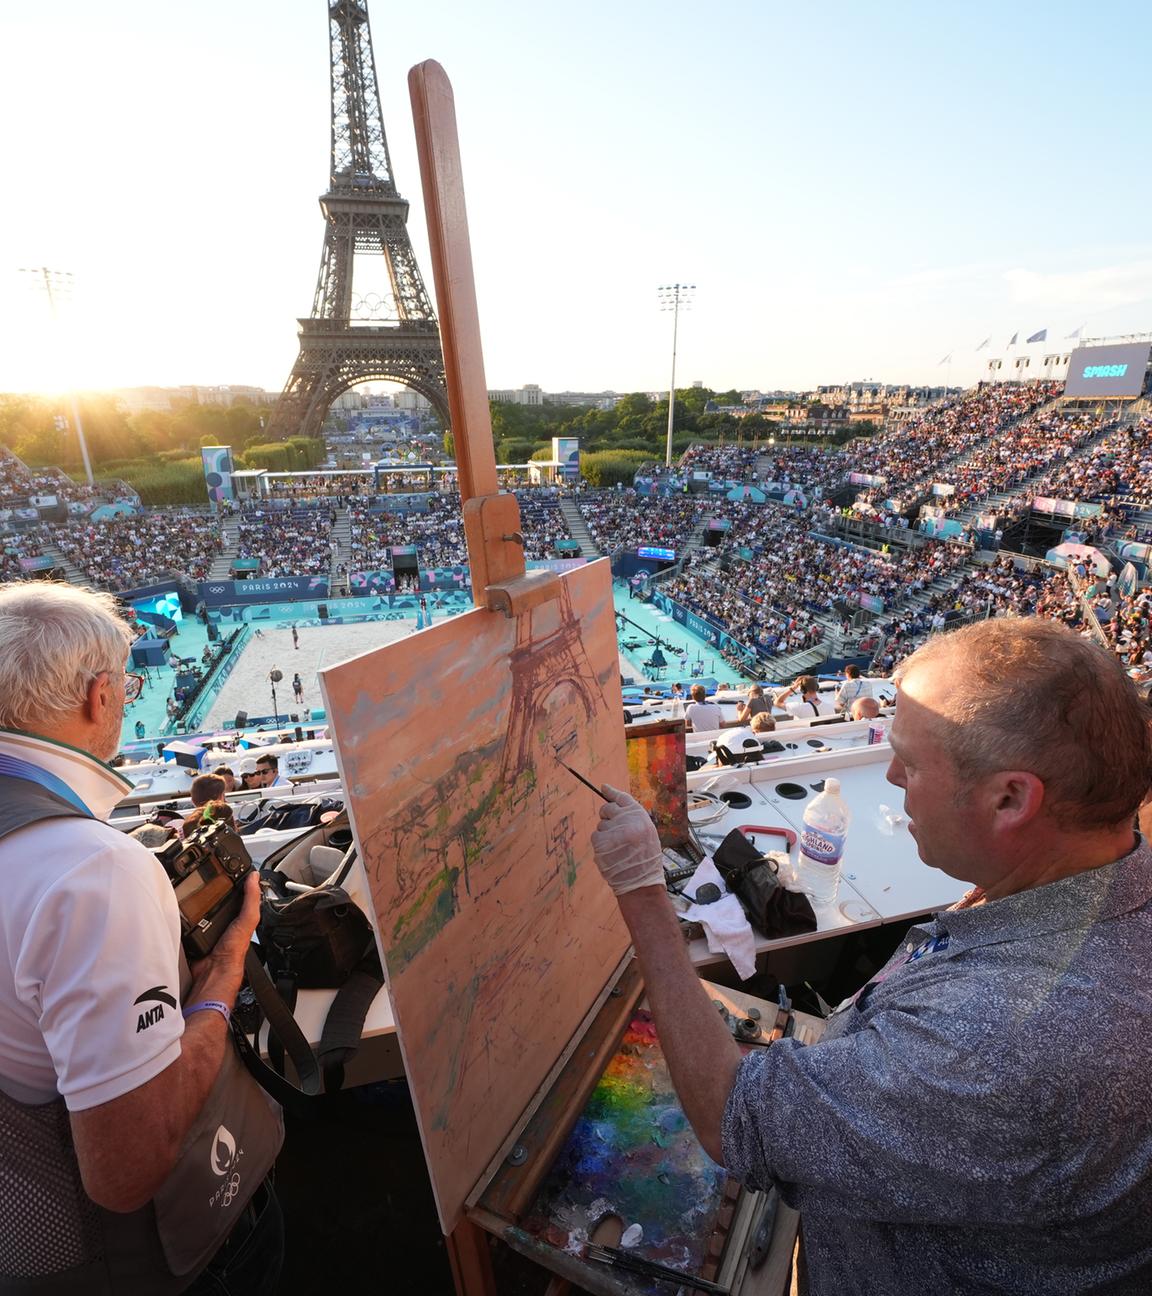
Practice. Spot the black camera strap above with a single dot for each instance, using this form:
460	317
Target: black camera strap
281	1025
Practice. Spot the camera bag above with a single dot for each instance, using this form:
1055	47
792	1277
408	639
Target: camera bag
317	938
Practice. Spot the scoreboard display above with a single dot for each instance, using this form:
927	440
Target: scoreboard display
1108	370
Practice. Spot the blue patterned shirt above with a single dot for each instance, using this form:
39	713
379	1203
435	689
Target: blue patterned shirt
978	1118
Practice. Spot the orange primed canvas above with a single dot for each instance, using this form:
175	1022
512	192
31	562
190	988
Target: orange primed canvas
498	932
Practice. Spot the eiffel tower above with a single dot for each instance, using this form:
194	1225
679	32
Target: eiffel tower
383	329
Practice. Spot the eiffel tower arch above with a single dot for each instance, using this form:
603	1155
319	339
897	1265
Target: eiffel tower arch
549	665
365	326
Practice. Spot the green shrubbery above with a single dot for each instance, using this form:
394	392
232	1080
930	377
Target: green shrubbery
180	481
609	467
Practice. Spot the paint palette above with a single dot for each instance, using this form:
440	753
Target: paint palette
633	1154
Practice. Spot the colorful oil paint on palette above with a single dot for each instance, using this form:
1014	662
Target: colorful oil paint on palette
633	1154
658	777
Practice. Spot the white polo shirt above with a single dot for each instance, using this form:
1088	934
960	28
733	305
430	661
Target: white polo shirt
703	716
799	709
89	946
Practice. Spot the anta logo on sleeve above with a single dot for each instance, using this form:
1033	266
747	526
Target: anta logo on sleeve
159	997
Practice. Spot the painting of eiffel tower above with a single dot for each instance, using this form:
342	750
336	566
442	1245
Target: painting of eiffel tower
372	318
494	921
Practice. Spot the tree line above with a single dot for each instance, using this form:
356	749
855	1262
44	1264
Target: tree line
156	451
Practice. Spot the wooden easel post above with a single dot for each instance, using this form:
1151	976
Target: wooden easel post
491	520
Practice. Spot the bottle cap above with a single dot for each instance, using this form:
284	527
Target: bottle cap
832	785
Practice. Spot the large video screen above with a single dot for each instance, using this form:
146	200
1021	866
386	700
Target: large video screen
1107	370
165	605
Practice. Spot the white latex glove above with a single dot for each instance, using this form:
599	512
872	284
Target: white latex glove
626	844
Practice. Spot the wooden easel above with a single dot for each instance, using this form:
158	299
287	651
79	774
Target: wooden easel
500	584
491	520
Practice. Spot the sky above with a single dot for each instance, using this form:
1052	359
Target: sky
856	191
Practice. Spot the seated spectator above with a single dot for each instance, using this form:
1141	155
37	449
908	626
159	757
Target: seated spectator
865	708
700	715
755	704
853	687
802	700
745	744
205	788
209	813
268	768
224	773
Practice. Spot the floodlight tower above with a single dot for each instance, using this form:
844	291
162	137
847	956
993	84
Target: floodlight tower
57	284
674	298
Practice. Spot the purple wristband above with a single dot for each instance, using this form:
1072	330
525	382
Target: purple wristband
214	1005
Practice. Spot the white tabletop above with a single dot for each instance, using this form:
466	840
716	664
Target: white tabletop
881	862
850	909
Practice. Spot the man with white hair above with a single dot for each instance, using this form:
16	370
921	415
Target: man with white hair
134	1147
975	1118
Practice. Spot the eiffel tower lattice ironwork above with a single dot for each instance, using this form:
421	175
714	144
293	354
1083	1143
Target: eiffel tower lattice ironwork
388	332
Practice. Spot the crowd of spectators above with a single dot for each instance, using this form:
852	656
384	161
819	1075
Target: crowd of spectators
796	585
782	588
729	461
623	519
288	542
438	534
1129	630
541	522
137	549
1000	589
814	471
912	456
1034	444
15	480
1116	473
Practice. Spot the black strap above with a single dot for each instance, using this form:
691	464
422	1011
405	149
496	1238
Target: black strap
282	1025
345	1023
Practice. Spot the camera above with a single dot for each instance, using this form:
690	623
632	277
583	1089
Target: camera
207	870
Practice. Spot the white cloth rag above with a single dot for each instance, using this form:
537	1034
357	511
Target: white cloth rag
726	928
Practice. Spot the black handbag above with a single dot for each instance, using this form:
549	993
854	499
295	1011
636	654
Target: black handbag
772	909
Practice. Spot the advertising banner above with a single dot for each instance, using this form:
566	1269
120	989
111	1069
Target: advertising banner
377	581
871	603
566	452
1135	551
281	589
41	562
866	479
555	564
704	629
943	488
217	461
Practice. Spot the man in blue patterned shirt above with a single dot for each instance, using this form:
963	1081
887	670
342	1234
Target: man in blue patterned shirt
976	1118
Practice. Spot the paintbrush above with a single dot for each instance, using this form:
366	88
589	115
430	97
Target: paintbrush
618	1259
582	779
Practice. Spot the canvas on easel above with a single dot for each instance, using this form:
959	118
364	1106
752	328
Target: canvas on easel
497	930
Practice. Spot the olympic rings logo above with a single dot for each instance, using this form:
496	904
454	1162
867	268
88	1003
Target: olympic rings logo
231	1190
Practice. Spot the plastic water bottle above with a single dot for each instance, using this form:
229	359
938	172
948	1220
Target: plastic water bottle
677	708
822	844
